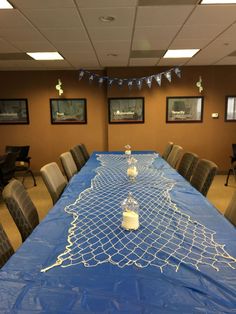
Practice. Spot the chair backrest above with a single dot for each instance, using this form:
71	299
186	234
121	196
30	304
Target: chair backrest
6	249
21	207
234	150
187	165
167	150
203	175
68	164
84	151
22	151
77	156
230	212
54	180
174	155
7	168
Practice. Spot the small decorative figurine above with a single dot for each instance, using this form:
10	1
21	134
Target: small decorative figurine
127	149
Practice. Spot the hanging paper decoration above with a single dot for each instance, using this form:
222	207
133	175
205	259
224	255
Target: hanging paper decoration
158	79
130	82
81	74
177	72
149	81
168	75
199	84
59	88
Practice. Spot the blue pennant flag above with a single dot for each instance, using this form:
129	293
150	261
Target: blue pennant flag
130	84
100	80
139	83
120	82
110	81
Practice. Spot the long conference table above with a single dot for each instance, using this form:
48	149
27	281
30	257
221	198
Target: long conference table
80	260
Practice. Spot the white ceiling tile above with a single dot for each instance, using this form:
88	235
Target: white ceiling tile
189	43
172	62
74	46
227	61
229	34
162	15
123	17
213	14
151	44
41	4
54	18
28	34
13	19
64	34
34	46
6	47
119	45
106	3
143	61
116	63
86	56
201	31
155	33
104	34
85	64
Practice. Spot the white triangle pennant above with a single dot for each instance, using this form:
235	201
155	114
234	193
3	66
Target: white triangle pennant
139	84
81	74
158	78
148	80
168	75
178	72
130	84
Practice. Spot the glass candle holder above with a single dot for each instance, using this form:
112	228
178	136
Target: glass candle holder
130	213
127	150
132	170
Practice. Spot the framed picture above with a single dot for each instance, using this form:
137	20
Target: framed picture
184	109
126	110
68	111
230	108
14	111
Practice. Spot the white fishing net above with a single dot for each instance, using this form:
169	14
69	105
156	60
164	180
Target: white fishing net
166	236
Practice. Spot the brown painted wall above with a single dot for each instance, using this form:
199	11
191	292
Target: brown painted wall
211	139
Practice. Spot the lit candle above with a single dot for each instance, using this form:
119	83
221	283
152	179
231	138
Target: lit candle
132	172
130	220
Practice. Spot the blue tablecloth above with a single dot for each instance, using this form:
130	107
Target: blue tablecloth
107	288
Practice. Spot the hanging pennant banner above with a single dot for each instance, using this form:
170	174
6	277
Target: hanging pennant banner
129	82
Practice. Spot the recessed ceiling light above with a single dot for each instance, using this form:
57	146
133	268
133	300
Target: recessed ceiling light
4	4
218	2
180	53
45	55
106	19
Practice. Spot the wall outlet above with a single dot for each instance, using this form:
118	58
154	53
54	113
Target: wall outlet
215	115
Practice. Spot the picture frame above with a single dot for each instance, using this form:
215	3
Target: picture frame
184	109
14	111
68	110
126	110
230	108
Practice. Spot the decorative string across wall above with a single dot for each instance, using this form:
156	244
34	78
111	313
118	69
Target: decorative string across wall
130	82
167	237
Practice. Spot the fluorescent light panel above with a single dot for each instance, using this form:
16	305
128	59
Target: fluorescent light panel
180	53
4	4
218	2
45	55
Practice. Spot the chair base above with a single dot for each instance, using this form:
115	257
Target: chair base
32	175
229	172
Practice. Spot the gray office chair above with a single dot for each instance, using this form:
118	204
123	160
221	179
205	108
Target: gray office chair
203	175
77	156
230	212
84	151
6	249
187	165
174	155
167	150
21	208
68	165
54	180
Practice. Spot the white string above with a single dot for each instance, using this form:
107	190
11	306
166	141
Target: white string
166	237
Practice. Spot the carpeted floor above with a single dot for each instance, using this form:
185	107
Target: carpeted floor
219	195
